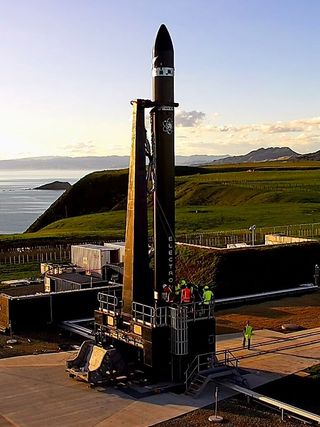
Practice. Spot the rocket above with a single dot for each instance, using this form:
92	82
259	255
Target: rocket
162	124
138	284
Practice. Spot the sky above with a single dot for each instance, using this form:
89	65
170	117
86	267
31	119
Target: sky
247	74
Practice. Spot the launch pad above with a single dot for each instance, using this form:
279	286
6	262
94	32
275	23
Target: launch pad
161	336
167	338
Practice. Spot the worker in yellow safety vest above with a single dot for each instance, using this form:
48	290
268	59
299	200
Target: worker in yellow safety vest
207	295
247	334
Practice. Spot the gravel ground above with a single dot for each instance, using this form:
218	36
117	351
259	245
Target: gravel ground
235	412
303	310
36	343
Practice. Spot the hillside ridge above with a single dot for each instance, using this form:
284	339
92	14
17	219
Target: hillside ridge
120	162
260	155
91	162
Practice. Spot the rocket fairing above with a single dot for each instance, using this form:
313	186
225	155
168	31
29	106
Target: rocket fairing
162	116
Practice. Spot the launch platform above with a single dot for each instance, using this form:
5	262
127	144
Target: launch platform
164	339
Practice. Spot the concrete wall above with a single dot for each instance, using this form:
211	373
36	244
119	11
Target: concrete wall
36	311
276	239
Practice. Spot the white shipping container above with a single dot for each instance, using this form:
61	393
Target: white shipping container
91	257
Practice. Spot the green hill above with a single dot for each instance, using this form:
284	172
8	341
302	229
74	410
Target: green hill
207	199
97	192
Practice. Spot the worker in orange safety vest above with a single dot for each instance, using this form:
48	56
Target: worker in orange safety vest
186	294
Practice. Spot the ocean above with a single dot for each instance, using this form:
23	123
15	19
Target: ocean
20	204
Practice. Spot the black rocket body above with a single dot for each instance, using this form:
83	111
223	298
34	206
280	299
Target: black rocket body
163	150
138	284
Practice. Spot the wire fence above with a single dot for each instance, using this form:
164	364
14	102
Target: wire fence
221	239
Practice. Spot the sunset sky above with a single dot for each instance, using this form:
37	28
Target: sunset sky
247	74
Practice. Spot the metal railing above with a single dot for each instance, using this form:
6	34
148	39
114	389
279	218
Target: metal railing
108	303
205	361
199	311
144	314
150	316
221	239
200	363
160	316
226	358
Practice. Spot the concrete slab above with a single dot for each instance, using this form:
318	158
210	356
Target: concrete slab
277	353
36	391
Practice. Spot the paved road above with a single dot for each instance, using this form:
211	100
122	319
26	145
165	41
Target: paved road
35	391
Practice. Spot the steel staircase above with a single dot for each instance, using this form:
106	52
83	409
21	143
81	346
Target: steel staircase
206	368
197	384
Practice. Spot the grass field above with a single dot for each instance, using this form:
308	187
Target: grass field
191	219
219	198
19	271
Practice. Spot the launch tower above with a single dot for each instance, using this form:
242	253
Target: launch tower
163	337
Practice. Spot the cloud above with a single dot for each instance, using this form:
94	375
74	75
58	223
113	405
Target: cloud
280	128
189	119
83	148
302	135
292	126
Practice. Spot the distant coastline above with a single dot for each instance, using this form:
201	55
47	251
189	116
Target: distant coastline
21	204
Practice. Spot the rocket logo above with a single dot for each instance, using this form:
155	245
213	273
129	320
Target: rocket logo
168	126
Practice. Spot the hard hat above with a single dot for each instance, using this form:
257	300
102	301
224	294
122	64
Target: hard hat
164	285
206	287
